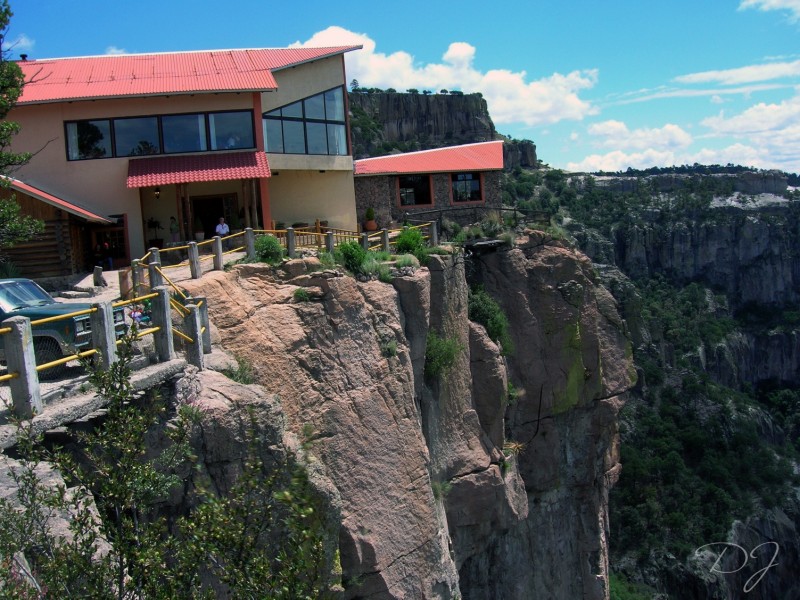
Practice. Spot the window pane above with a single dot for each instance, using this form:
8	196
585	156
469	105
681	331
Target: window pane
315	107
184	133
294	137
273	135
136	137
231	130
317	138
415	189
89	139
293	110
334	105
337	140
466	187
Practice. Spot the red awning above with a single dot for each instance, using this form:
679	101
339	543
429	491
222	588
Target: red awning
165	170
65	205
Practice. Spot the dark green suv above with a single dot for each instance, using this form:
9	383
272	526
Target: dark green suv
55	339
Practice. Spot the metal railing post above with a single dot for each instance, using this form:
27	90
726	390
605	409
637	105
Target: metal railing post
250	243
291	242
217	253
103	338
194	349
165	348
20	358
194	260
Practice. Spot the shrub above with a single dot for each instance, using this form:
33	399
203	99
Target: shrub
326	259
484	310
385	274
370	265
389	348
406	260
440	355
268	249
301	295
242	372
409	241
351	255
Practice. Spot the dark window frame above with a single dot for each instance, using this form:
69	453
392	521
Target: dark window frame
275	116
400	188
158	117
454	182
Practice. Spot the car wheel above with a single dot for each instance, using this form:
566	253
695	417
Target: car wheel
48	350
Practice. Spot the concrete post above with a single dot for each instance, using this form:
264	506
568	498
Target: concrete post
250	243
434	236
136	277
103	338
20	358
217	253
291	242
155	255
165	349
202	305
155	277
194	350
385	239
194	260
329	245
365	241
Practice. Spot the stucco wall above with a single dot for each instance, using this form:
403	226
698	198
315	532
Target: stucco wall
309	195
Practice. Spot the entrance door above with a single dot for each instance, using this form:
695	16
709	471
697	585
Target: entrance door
208	209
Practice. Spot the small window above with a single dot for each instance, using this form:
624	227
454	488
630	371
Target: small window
415	190
273	135
467	187
89	139
136	136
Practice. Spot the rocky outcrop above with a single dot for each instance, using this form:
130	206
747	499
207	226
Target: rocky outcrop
432	506
746	182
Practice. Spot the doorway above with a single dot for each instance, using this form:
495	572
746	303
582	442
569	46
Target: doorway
208	209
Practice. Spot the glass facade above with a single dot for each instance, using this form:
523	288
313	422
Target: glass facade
467	187
160	134
314	125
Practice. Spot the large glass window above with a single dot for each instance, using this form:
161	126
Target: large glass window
314	125
89	139
467	187
230	130
140	136
137	136
184	133
415	190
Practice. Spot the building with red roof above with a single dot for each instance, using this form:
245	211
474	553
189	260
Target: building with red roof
453	182
256	136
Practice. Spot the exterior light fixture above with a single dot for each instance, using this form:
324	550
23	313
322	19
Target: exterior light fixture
158	193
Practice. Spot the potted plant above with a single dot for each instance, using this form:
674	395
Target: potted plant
155	241
369	220
199	231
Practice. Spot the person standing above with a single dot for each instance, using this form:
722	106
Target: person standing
173	229
222	228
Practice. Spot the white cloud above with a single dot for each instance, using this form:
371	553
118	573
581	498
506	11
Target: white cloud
748	74
21	44
115	50
511	98
790	6
746	90
615	134
617	160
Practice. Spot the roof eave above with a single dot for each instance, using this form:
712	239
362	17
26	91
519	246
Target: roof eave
148	95
316	58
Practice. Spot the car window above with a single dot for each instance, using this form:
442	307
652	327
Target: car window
22	294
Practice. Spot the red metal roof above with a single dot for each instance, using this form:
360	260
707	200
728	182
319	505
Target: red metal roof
43	196
124	75
484	156
190	168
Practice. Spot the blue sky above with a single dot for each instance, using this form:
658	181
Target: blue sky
596	85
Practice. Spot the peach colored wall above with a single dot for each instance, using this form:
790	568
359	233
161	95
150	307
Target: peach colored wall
99	185
310	195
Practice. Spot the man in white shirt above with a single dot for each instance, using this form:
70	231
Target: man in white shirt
222	230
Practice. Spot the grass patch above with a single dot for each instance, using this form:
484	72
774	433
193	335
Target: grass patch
242	372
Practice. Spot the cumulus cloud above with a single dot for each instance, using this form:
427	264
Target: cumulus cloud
21	44
115	50
615	134
790	6
510	96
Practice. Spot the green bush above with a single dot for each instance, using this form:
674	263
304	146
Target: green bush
484	310
242	372
440	355
352	255
268	249
301	295
409	241
406	260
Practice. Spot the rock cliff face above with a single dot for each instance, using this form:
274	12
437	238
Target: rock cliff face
432	506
